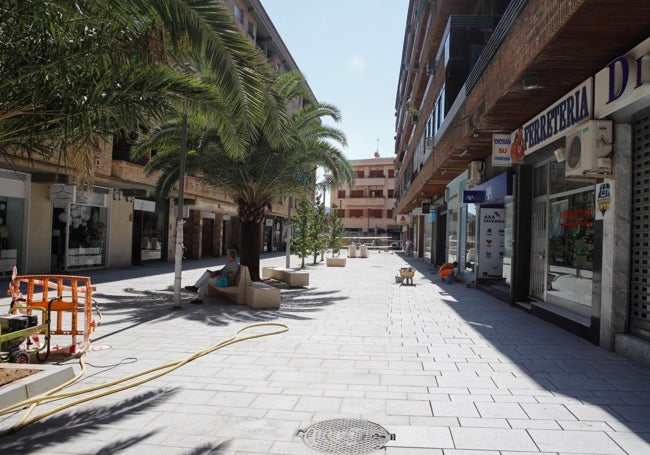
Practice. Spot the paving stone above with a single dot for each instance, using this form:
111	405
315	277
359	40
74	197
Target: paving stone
452	370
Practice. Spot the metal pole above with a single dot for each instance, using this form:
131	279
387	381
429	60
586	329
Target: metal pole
288	262
178	257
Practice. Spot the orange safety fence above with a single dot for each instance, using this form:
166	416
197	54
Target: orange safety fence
68	299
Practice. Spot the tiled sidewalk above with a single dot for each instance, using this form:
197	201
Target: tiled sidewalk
446	369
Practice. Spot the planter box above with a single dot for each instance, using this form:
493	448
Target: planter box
335	262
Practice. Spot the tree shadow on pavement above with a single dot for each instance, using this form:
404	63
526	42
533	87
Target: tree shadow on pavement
64	427
132	308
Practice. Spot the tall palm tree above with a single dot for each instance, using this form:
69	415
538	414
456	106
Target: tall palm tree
273	165
72	71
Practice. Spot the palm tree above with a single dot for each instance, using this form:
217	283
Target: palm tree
284	150
71	72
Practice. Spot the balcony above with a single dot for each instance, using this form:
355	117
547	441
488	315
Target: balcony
369	181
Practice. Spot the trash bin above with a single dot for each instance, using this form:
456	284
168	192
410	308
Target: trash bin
352	251
363	252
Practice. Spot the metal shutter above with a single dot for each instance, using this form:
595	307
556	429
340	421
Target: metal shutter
640	254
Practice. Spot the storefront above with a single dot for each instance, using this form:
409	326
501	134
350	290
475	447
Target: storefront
148	236
622	94
79	221
13	194
488	232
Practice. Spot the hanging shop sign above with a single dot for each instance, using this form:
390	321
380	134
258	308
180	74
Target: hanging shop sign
403	219
473	197
605	200
575	108
501	150
623	83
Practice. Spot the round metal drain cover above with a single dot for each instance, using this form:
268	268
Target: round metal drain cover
346	436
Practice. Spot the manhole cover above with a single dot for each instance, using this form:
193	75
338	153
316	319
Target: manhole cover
346	436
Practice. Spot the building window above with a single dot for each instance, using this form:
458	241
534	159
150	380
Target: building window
341	213
391	193
377	173
391	173
360	174
389	214
356	193
239	14
340	194
356	213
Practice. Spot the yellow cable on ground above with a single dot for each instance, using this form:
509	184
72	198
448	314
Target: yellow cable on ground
166	368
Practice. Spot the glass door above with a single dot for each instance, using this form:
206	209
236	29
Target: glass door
538	249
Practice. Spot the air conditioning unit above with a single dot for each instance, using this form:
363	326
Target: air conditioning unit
587	148
475	173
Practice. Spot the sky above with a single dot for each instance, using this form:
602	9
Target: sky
350	52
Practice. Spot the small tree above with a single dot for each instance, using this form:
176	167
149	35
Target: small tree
300	240
336	231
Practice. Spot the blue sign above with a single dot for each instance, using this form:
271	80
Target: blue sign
473	197
495	189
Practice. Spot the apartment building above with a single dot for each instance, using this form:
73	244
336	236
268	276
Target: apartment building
524	126
367	207
48	225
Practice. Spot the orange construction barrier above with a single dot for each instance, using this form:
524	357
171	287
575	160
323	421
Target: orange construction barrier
67	299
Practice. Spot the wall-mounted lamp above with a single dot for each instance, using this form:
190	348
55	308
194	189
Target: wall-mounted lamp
117	195
531	81
559	155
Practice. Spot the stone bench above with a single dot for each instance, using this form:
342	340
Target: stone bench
294	278
236	293
246	292
261	296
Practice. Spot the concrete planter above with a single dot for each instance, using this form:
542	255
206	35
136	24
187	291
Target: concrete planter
335	262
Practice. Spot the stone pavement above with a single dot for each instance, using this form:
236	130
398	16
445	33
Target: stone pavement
443	368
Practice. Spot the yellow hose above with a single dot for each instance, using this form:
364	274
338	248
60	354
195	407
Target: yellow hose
166	368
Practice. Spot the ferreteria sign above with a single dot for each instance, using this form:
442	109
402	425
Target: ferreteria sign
623	86
574	108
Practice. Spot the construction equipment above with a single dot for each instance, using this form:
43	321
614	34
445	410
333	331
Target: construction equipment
68	312
20	335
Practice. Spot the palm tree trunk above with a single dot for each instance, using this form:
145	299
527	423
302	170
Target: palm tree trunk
251	244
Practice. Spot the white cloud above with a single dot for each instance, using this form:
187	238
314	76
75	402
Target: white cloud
355	64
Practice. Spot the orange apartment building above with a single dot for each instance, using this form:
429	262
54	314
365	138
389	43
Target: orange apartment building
367	206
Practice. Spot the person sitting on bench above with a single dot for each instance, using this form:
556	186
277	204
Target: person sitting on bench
230	271
447	271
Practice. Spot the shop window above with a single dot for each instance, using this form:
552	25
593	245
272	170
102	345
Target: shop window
571	245
452	230
85	228
11	232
